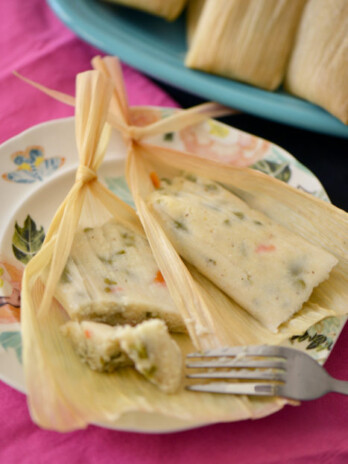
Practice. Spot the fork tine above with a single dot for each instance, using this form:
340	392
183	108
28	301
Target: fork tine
257	350
245	375
238	363
259	389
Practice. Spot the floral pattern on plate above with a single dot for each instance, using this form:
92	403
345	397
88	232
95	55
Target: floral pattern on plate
27	240
10	292
220	144
32	166
12	341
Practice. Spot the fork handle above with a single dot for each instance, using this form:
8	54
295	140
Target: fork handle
339	386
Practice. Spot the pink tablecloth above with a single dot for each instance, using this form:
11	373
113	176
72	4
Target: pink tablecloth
35	43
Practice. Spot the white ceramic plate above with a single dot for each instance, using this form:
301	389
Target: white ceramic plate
37	169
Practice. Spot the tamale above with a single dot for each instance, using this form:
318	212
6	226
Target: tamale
267	269
318	67
168	9
112	277
247	40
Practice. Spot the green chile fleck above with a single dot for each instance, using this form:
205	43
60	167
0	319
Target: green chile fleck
180	225
300	283
150	372
239	214
108	281
65	277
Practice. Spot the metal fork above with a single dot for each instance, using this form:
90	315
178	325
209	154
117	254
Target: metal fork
263	370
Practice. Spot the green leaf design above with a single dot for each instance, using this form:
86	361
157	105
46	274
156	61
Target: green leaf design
12	340
27	240
119	187
316	341
280	171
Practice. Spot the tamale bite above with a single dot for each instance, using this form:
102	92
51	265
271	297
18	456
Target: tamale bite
148	347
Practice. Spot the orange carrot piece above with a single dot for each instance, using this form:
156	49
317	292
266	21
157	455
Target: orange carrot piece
159	279
155	180
265	248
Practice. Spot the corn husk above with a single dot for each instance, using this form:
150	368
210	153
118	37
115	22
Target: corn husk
193	13
247	40
75	396
318	68
168	9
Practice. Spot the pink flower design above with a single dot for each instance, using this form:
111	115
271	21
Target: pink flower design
10	298
142	116
243	151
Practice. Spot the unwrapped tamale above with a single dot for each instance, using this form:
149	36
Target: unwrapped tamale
247	40
112	277
267	269
318	67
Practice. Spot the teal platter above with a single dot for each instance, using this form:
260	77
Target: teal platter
157	48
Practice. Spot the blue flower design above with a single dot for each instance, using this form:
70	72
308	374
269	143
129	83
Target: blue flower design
32	166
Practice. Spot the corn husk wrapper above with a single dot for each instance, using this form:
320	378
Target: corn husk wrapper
193	13
76	396
168	9
318	67
247	40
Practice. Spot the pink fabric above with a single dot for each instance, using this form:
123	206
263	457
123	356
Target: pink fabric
35	43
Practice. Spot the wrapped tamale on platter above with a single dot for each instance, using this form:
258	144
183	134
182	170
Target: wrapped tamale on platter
116	297
247	40
318	68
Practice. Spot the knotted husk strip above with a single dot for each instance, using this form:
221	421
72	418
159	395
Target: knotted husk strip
79	396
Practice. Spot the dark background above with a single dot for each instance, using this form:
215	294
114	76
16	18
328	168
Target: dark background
324	155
